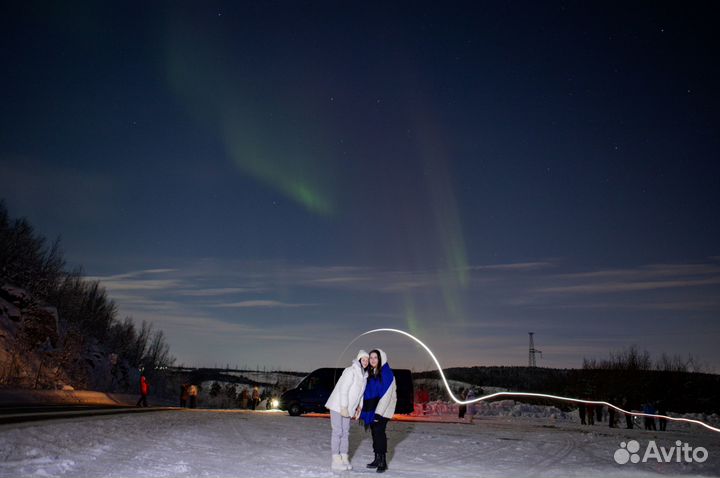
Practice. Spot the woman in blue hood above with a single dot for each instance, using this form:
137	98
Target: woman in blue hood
379	402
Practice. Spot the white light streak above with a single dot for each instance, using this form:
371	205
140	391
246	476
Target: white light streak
525	394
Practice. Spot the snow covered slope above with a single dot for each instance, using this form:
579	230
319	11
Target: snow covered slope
272	444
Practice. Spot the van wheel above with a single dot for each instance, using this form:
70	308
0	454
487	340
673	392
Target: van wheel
295	410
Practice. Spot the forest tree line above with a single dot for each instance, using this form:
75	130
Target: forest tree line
63	324
628	376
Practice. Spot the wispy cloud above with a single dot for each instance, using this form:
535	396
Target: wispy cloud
517	284
627	286
260	304
144	284
643	278
339	280
133	274
400	281
137	280
679	288
222	302
132	303
680	305
647	272
260	277
514	266
220	291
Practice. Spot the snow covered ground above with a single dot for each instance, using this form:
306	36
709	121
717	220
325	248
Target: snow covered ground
273	444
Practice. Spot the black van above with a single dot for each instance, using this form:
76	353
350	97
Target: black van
315	389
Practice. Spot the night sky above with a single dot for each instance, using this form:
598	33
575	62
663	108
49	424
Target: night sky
265	180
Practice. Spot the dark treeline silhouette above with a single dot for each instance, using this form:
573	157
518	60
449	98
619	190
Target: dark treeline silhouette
633	359
65	322
681	391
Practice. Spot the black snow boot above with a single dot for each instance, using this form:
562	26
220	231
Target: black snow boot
382	465
375	462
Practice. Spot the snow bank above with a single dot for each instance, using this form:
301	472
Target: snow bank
501	408
191	443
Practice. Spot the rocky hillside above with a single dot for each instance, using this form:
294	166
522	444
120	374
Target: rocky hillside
37	352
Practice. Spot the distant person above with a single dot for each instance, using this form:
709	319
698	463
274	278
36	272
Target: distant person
422	397
649	421
590	414
462	409
266	396
184	395
192	395
255	397
582	412
471	395
598	413
346	401
611	415
144	391
417	401
662	410
628	416
379	402
244	398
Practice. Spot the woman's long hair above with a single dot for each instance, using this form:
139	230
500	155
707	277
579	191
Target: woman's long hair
375	372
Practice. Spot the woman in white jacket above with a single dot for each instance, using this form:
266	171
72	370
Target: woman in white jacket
346	398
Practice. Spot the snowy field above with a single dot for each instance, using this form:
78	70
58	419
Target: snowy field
273	444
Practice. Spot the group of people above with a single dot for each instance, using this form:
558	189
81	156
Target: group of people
649	408
189	395
589	414
367	392
248	400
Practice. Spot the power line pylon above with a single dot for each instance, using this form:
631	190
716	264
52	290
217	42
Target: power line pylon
532	352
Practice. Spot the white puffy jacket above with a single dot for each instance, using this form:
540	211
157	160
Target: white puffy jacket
348	393
387	403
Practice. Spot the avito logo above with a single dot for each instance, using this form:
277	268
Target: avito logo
681	452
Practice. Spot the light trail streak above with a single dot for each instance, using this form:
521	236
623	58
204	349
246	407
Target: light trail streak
525	394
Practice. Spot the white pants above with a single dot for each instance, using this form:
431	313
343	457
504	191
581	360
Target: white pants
340	433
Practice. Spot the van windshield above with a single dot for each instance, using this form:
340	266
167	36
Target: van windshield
311	382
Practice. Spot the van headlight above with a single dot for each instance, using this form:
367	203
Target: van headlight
274	403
